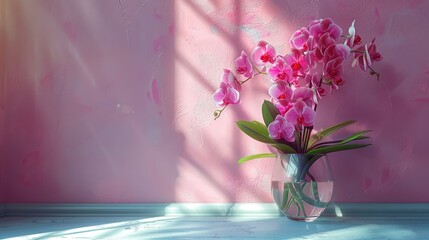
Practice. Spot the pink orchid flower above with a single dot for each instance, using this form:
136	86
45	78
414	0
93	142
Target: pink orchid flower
353	38
243	65
336	51
320	91
281	129
263	53
325	41
316	54
301	114
297	61
336	82
226	95
299	39
281	96
314	81
318	28
334	68
304	94
370	55
229	78
281	91
352	34
280	71
282	106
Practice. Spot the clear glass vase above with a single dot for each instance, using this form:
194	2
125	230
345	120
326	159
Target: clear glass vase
301	185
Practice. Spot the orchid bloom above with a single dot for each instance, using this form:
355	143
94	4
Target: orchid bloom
243	65
353	39
314	81
367	55
264	53
304	94
281	96
226	95
282	106
281	129
336	51
334	68
281	91
352	34
297	61
299	39
229	78
317	53
318	28
301	114
280	71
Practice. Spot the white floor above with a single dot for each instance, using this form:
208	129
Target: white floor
211	228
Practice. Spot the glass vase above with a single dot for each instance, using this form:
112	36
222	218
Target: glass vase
301	185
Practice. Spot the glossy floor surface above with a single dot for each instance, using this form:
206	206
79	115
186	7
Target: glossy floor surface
211	228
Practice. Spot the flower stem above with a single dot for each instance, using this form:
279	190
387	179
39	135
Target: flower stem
320	84
244	81
307	137
373	72
218	112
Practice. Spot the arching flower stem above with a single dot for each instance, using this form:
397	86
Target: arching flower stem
218	112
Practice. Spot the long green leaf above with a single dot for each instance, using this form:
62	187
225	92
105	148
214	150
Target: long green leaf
261	126
285	198
255	130
256	156
315	191
354	136
335	148
324	133
330	143
269	112
283	148
298	199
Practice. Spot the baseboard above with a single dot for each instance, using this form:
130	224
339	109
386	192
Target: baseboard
161	209
2	210
213	209
378	210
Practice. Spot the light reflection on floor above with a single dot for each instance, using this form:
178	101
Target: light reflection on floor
171	227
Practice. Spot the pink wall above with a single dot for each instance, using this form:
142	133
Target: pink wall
110	101
2	103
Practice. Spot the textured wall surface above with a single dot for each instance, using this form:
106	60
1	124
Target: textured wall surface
2	103
110	100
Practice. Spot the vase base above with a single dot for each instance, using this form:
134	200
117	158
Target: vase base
302	219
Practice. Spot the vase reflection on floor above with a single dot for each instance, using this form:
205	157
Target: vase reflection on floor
301	185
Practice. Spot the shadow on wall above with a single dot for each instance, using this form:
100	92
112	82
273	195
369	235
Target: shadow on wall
220	143
110	101
89	103
241	24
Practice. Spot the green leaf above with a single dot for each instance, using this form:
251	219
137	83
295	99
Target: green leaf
336	148
322	134
283	147
315	191
298	200
261	126
285	198
255	130
269	112
256	156
354	136
332	143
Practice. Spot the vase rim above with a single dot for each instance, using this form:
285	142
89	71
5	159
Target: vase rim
301	154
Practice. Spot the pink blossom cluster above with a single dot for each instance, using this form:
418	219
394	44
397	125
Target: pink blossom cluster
301	77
